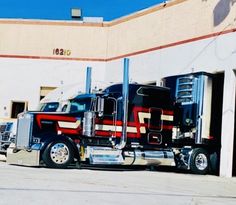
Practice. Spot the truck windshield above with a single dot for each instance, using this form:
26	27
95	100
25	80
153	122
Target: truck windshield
80	105
49	107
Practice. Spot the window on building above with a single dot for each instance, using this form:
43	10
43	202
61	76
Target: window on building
44	90
18	107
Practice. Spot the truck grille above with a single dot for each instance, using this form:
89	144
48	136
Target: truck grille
24	131
186	90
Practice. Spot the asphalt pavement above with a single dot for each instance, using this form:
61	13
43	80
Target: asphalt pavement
102	186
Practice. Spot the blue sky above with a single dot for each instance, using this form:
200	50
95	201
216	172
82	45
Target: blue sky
60	9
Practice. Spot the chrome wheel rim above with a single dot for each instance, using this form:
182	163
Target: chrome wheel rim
59	153
201	161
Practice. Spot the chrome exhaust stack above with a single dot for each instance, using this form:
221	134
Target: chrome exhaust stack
88	80
125	97
108	155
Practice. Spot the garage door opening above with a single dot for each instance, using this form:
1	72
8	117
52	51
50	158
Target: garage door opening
234	152
216	114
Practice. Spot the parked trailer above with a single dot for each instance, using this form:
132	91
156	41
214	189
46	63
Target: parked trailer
126	124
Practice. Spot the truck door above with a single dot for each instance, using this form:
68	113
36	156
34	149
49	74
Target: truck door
155	125
107	124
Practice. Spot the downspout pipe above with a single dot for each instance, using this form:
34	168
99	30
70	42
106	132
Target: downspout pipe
125	98
88	80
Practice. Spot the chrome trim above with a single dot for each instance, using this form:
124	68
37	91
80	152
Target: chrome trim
184	158
23	157
201	161
108	156
88	80
104	155
157	158
89	124
125	96
59	153
24	131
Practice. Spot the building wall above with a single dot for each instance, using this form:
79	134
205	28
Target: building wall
31	56
158	41
21	79
38	39
178	21
183	37
211	55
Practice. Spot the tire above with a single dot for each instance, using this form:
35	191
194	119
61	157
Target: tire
214	163
58	154
199	161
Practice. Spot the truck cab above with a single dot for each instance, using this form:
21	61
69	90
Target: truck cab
94	133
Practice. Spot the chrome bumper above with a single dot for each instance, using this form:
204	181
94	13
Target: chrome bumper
23	157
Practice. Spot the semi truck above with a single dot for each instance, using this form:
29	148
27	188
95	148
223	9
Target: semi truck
125	124
7	134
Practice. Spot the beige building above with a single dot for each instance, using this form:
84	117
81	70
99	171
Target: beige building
179	37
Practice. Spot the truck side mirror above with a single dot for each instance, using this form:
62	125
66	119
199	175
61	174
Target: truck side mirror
100	106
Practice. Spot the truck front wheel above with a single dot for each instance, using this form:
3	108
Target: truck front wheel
199	162
58	154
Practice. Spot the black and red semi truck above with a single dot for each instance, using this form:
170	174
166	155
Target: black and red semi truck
125	124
